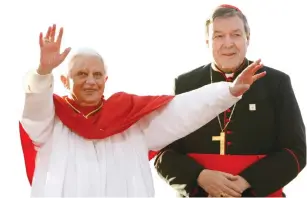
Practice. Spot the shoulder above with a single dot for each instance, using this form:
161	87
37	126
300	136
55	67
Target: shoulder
273	76
121	96
276	78
193	74
275	73
124	96
274	83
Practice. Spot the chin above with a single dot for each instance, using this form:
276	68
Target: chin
230	65
91	100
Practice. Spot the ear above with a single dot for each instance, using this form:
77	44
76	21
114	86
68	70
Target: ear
106	78
248	39
207	42
65	81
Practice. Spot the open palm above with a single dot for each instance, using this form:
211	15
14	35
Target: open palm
50	56
243	82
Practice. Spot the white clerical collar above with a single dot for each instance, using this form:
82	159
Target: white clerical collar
217	70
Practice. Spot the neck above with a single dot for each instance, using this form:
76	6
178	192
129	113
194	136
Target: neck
87	109
87	104
79	103
231	70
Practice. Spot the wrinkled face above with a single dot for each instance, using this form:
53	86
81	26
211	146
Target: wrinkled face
228	42
86	79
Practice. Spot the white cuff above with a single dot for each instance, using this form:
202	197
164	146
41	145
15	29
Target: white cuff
36	83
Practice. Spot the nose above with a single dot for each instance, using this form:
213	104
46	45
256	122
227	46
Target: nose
228	41
90	80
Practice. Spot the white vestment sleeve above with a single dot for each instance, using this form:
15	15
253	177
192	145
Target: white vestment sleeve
38	112
186	113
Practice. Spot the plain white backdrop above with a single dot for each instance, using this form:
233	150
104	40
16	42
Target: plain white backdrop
145	44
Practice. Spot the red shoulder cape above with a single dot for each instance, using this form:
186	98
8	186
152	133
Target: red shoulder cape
118	113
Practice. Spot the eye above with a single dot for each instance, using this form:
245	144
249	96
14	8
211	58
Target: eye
80	73
236	34
218	36
97	74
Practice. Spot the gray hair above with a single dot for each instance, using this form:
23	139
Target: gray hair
227	11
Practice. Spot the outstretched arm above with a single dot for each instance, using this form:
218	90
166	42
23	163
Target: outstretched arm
189	111
186	113
179	170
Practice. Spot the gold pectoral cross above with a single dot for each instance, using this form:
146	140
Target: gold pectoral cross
220	138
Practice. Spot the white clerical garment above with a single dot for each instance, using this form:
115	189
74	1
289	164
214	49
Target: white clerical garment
68	165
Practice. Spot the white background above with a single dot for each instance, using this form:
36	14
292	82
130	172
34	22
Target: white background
145	44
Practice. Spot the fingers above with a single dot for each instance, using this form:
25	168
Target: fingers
48	36
231	193
234	178
231	185
48	33
258	76
229	176
256	68
257	62
59	38
216	192
52	33
41	40
252	68
64	54
223	191
231	189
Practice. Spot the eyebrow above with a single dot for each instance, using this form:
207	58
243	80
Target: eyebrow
217	31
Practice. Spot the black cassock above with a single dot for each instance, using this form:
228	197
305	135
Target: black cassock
265	139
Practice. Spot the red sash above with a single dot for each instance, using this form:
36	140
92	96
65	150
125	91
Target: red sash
233	164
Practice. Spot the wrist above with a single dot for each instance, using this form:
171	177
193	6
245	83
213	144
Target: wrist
42	71
233	91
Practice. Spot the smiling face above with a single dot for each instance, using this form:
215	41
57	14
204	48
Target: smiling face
86	79
228	42
228	38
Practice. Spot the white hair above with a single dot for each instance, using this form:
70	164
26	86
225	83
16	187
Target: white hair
85	51
82	52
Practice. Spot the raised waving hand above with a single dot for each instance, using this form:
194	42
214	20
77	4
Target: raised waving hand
50	55
249	75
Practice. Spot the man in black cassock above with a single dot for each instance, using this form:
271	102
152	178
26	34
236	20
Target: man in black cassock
254	148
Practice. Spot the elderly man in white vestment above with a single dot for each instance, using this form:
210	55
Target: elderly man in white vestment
84	145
